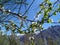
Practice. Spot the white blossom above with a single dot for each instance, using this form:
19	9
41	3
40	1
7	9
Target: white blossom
9	10
3	8
33	22
35	29
31	38
52	20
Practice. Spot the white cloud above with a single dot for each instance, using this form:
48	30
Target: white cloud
18	34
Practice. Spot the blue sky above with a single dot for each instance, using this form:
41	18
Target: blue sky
32	11
35	8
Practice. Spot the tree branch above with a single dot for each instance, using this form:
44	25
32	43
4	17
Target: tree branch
28	7
19	16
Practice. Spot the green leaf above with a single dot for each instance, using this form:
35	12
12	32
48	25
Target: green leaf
14	25
32	31
45	15
41	6
46	0
50	4
42	22
40	26
50	8
54	13
46	10
32	42
5	11
49	20
32	25
25	17
7	27
21	32
39	12
13	29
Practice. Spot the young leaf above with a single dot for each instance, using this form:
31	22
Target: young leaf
19	30
25	17
49	20
45	15
54	13
40	26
